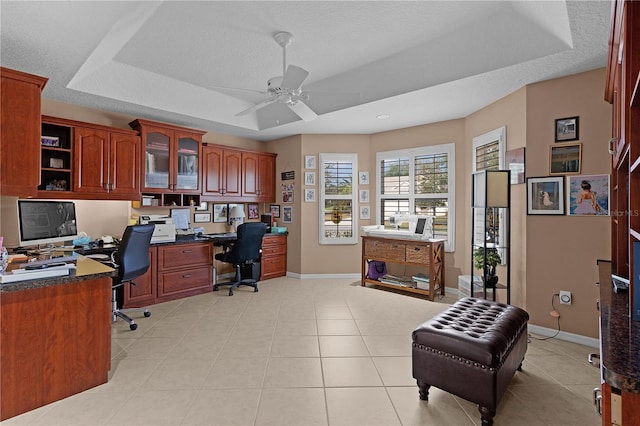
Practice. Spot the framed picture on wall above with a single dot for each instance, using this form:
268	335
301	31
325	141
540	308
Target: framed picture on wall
309	195
275	210
588	195
220	212
515	162
567	129
310	178
565	158
365	213
287	214
545	195
201	217
310	162
254	211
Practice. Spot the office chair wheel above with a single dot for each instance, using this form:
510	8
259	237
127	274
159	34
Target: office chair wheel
133	326
147	314
215	288
255	289
230	292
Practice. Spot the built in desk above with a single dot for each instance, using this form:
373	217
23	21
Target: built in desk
55	338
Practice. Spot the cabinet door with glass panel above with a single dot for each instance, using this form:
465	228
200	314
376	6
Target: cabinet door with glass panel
170	157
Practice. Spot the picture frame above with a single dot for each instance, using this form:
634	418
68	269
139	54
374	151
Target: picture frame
309	195
546	195
220	212
287	197
515	160
588	195
201	217
567	129
275	210
310	178
364	196
253	211
52	141
365	212
310	162
204	206
287	214
56	163
363	178
565	158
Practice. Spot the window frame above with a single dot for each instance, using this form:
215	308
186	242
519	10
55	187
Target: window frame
355	208
449	149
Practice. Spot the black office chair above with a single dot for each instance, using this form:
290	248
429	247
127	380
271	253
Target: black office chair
132	260
244	254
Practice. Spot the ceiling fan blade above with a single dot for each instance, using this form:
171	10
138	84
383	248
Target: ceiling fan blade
276	114
256	107
326	102
303	111
294	77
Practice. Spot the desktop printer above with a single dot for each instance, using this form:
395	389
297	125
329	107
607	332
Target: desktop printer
165	230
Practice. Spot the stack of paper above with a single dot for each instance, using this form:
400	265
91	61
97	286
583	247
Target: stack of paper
34	274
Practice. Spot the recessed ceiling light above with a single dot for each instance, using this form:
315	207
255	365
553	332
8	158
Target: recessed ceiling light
383	116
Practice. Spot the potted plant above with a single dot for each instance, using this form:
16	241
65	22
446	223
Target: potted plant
488	258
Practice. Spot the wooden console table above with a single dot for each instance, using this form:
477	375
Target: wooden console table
426	254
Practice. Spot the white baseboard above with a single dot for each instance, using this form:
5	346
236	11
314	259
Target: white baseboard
563	335
323	276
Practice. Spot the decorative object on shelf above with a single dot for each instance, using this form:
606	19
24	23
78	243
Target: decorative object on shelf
376	269
201	217
515	162
310	162
287	214
236	216
310	195
588	195
490	230
365	212
565	158
275	210
56	163
219	213
310	178
486	260
204	206
567	129
363	178
56	185
52	141
545	195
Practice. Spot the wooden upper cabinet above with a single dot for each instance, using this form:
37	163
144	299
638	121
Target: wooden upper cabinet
267	173
258	176
91	153
20	112
170	157
250	174
221	170
124	158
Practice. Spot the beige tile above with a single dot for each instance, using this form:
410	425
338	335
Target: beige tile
295	346
228	407
395	371
333	312
185	373
360	406
293	373
337	327
303	327
154	407
150	347
279	407
350	372
342	346
129	373
388	345
238	373
566	370
203	347
241	347
441	409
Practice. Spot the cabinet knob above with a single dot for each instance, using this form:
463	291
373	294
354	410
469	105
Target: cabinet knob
187	251
186	276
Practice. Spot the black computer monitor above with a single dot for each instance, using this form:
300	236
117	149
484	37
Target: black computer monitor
268	219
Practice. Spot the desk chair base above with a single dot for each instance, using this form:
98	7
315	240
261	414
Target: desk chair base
119	313
238	281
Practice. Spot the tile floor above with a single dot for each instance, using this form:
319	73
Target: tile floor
305	352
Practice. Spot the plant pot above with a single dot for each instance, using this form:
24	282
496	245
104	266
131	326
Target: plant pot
491	281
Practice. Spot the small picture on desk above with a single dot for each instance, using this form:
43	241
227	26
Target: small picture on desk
219	213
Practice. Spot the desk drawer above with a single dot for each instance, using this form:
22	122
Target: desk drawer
184	255
274	250
184	281
273	266
384	250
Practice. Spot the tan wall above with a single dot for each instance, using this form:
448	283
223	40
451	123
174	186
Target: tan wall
434	134
509	111
562	250
289	159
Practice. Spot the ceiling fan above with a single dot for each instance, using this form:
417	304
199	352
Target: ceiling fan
286	101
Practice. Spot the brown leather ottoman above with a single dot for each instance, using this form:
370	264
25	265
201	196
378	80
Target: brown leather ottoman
471	350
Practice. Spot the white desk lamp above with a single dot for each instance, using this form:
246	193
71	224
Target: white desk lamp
236	216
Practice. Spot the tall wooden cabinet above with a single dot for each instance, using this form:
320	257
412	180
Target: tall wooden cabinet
622	89
20	110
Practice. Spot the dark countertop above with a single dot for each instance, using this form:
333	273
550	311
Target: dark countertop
620	336
86	269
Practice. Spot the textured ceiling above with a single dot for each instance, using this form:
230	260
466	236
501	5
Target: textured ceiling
418	61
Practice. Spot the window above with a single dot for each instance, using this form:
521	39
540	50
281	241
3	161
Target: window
489	154
419	181
338	202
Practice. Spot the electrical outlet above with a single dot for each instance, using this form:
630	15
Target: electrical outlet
565	297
